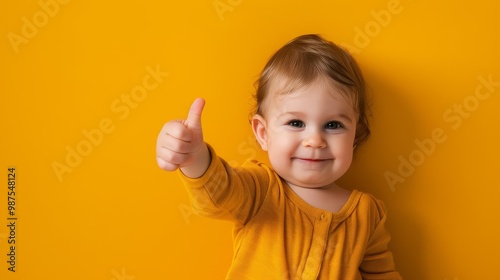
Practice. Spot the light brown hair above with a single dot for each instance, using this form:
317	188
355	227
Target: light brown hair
301	62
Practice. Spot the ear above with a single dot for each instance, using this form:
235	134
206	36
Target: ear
259	127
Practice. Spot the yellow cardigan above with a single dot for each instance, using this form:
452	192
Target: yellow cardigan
277	235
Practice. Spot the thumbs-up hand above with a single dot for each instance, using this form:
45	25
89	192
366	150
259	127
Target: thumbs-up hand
180	144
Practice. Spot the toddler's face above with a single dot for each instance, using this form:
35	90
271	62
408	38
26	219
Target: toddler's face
309	135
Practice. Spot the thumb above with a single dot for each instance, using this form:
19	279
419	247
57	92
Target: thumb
193	120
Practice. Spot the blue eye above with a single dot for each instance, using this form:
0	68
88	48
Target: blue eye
296	123
334	125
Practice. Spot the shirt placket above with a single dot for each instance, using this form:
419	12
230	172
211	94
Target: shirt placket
318	246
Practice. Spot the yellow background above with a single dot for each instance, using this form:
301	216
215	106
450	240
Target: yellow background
117	216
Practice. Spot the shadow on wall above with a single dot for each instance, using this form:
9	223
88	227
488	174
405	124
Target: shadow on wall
394	128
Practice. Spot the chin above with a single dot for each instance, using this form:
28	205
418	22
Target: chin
313	185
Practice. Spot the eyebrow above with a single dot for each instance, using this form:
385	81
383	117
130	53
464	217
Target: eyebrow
334	116
345	117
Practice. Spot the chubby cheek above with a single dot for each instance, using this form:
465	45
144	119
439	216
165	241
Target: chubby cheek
346	160
279	162
344	155
280	150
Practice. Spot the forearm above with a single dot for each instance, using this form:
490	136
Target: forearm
223	192
210	188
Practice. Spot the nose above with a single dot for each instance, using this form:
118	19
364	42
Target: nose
314	140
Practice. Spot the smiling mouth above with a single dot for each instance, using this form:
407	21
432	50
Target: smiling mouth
311	159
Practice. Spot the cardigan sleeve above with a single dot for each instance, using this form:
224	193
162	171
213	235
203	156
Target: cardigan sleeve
378	262
228	193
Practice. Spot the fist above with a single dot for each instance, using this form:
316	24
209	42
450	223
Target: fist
180	142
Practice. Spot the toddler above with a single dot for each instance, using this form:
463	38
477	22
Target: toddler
291	219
